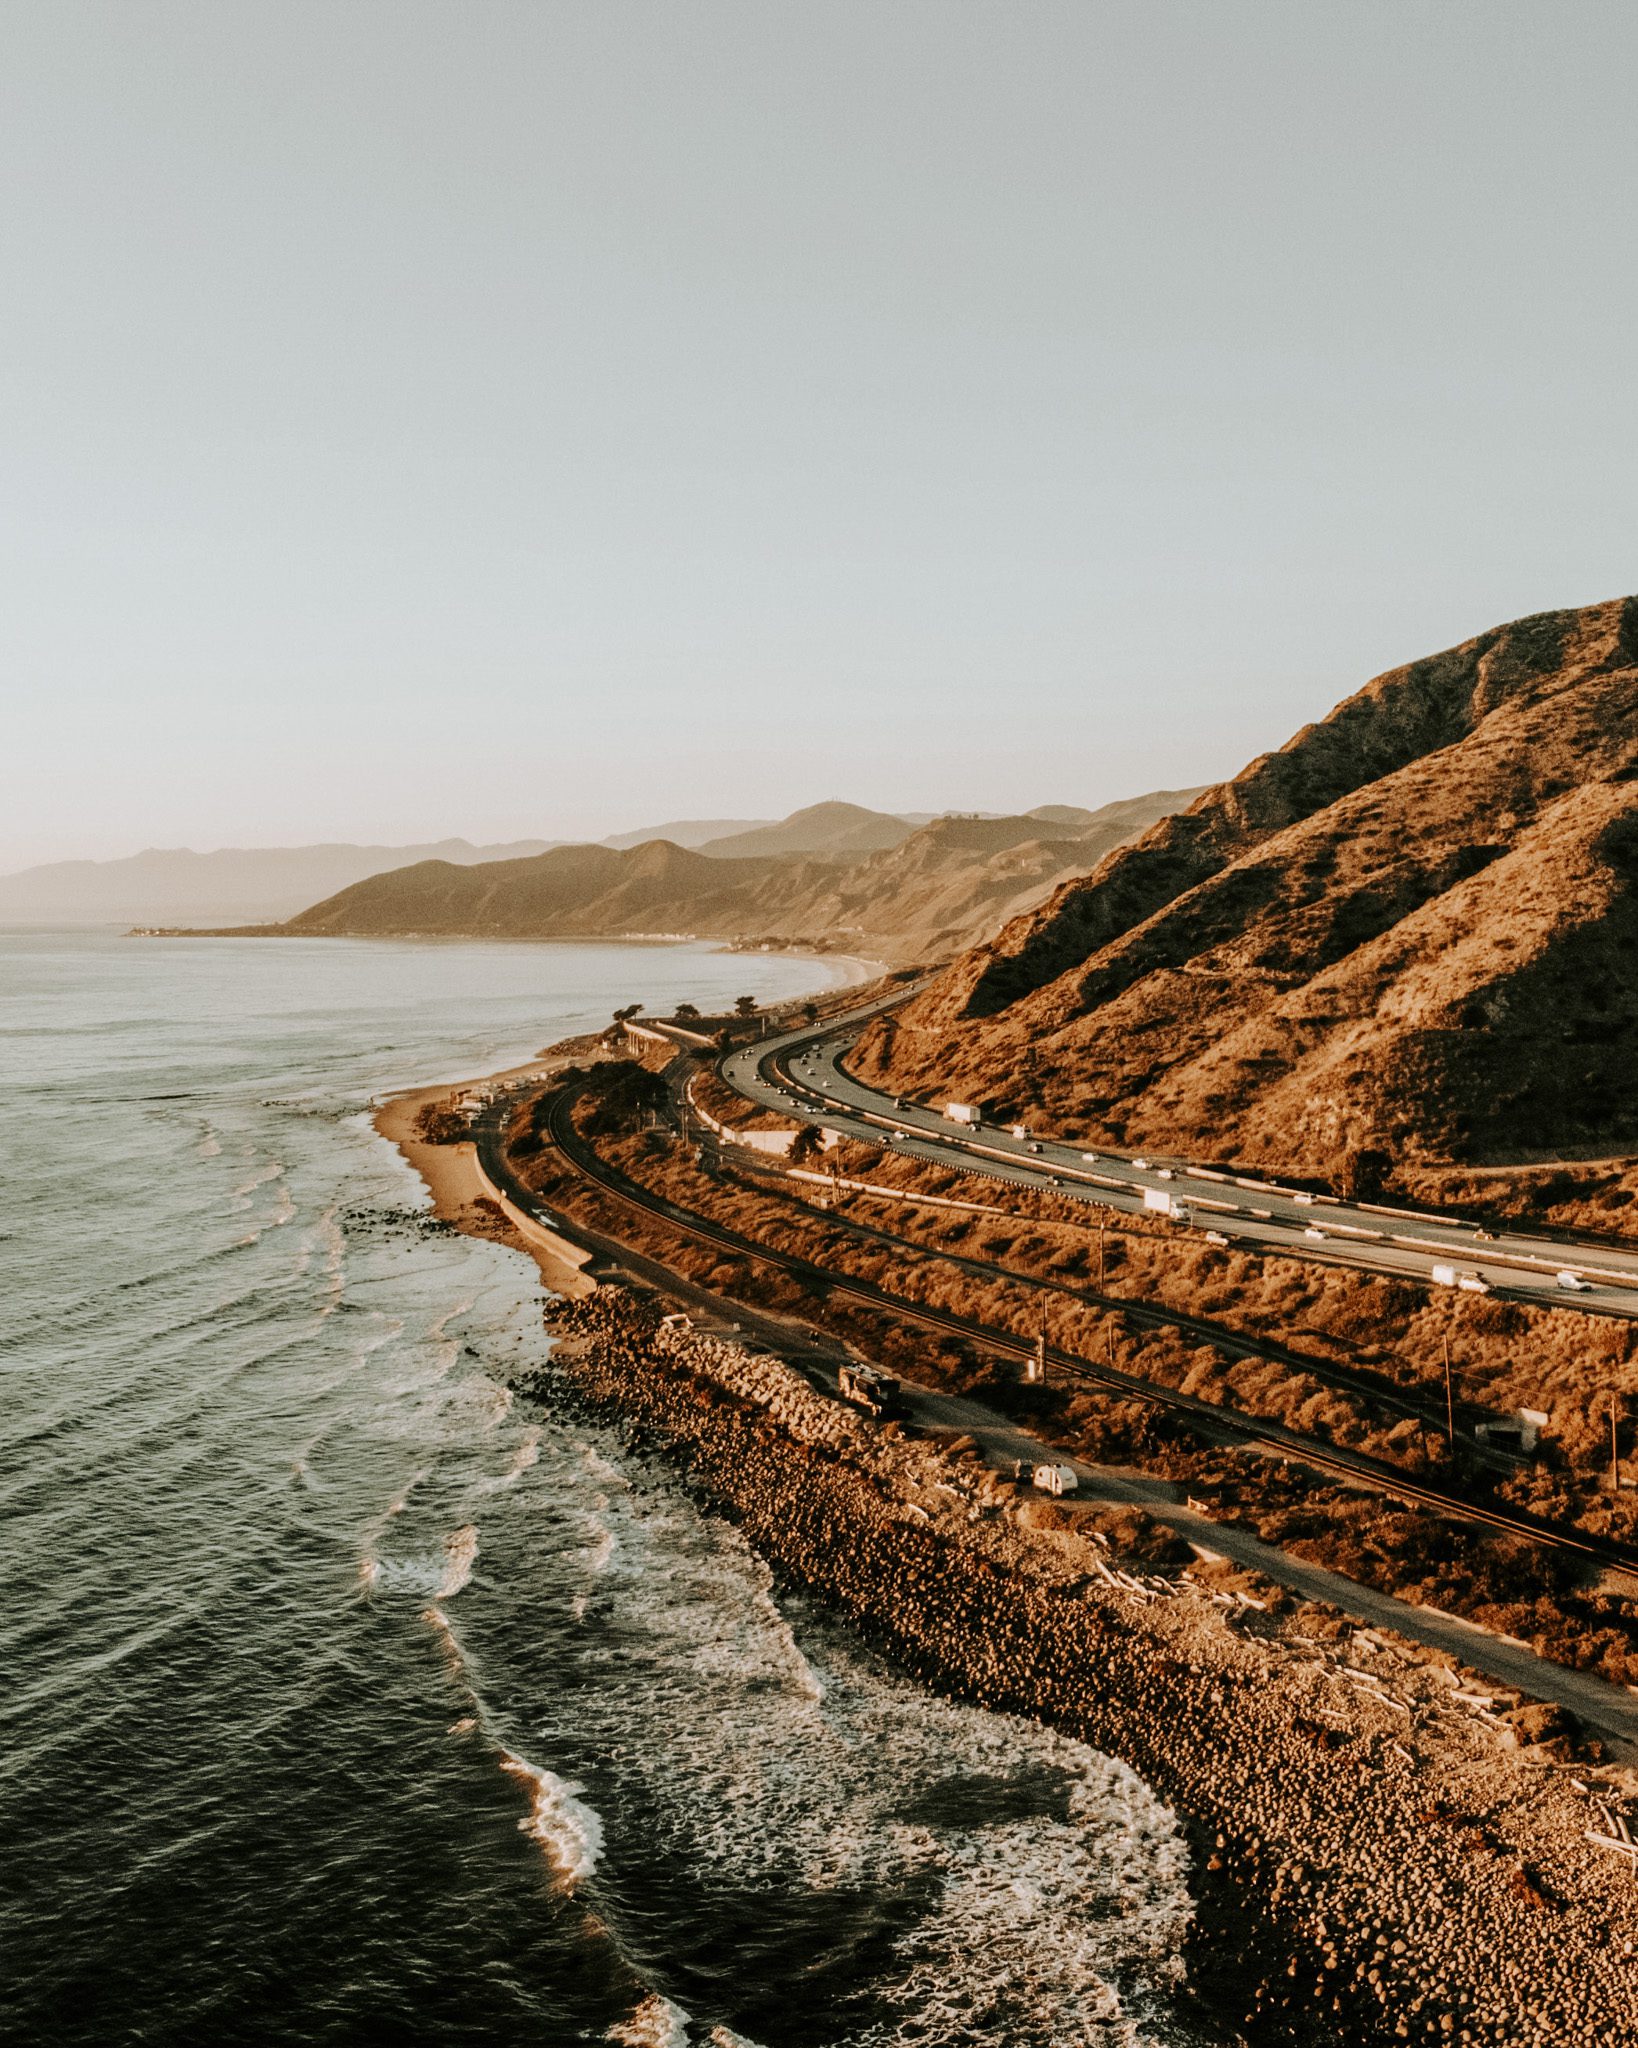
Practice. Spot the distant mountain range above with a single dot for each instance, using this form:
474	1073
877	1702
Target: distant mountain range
253	885
1410	935
246	884
916	892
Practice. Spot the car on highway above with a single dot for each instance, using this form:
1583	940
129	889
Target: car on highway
1215	1237
1314	1230
1572	1282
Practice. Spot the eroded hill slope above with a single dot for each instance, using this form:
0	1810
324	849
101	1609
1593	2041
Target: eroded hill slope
1411	932
922	898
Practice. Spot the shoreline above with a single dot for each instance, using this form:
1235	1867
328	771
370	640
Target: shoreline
1366	1869
868	969
453	1175
1336	1812
458	1185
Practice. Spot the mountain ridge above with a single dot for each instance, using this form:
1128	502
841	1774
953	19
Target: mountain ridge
929	892
1309	963
164	885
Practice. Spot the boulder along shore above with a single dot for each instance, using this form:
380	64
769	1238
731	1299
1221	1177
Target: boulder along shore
1366	1872
1378	1859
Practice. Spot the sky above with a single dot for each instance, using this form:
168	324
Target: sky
537	420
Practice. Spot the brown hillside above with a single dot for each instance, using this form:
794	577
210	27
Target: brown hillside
924	898
1413	928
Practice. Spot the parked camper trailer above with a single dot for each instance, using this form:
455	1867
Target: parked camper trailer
1058	1479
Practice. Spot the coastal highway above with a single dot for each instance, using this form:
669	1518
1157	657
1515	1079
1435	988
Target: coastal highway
799	1074
1600	1704
1218	1422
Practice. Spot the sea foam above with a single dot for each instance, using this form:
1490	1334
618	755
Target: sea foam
559	1820
656	2023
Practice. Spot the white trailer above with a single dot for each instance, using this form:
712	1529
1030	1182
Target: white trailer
960	1113
1164	1203
1059	1479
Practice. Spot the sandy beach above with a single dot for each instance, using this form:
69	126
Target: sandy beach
461	1191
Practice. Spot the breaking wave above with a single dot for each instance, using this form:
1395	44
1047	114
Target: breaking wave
656	2023
301	1449
558	1819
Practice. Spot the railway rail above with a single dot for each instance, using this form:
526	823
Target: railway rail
1355	1468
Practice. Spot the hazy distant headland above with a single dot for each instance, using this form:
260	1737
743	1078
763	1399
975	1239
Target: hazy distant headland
833	876
264	884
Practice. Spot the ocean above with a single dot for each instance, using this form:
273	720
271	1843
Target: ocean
349	1699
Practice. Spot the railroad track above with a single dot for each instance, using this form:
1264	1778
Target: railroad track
1353	1466
1159	1316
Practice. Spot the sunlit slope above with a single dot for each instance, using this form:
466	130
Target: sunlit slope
1412	928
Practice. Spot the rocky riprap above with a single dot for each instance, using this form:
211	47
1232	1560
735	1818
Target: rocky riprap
1371	1867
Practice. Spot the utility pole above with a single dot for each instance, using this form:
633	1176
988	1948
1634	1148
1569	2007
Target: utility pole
1450	1405
1615	1461
1100	1256
1035	1372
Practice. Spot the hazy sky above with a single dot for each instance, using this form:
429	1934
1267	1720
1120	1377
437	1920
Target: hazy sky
543	418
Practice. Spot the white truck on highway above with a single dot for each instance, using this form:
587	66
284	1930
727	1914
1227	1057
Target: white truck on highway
960	1113
1468	1278
1164	1203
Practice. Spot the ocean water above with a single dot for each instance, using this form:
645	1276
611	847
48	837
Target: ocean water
347	1699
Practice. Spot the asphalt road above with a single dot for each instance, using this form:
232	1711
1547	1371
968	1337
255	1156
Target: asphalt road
799	1074
1610	1709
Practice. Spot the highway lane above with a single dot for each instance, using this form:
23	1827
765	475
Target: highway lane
799	1074
1217	1421
1598	1703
